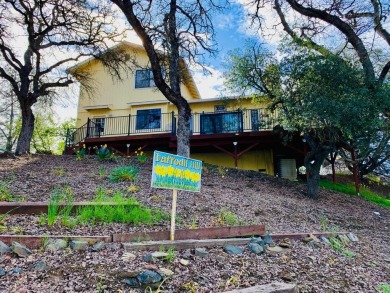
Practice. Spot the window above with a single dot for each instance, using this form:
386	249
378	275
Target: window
213	123
100	124
144	78
220	108
148	119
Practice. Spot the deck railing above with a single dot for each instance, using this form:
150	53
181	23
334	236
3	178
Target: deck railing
204	123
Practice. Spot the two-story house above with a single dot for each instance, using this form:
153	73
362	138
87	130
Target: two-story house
131	114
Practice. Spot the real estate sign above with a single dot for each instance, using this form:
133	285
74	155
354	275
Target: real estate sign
176	172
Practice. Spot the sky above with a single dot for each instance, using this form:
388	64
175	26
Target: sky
231	29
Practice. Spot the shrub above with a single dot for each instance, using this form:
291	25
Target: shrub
124	173
104	153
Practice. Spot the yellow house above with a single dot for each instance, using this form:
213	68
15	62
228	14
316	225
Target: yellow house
131	114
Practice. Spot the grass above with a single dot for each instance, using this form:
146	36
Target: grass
5	193
338	246
123	210
350	189
124	173
385	288
228	218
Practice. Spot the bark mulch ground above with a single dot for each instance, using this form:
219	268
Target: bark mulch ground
252	197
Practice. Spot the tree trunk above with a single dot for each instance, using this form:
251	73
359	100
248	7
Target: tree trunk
183	130
26	132
313	182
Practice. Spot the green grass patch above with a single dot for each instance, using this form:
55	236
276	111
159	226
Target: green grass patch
122	210
350	189
124	173
385	288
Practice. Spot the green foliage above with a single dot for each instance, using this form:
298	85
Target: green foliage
104	153
366	193
60	196
170	257
338	246
228	218
5	193
81	153
124	173
140	155
385	288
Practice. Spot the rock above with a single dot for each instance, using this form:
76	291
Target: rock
2	272
258	240
184	262
256	248
4	248
149	277
16	270
56	244
275	249
268	288
132	282
127	256
98	246
309	238
314	244
232	249
268	239
78	245
353	237
40	266
149	258
324	240
201	252
20	250
287	276
285	243
159	254
151	267
124	275
165	272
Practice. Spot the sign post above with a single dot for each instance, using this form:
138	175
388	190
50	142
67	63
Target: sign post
176	173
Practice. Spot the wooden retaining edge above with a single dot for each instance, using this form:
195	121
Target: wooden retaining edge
201	233
191	243
275	287
36	208
35	242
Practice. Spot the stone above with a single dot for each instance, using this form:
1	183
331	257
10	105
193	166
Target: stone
98	246
275	249
78	245
324	240
149	258
314	244
268	239
40	266
124	275
16	270
255	248
285	243
4	248
20	250
159	254
184	262
151	267
56	244
232	249
149	277
353	237
201	252
310	238
132	282
258	240
127	256
276	287
165	272
2	272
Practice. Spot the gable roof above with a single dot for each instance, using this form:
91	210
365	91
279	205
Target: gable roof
189	81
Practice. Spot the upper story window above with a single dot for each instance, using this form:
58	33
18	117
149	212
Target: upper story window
220	108
144	78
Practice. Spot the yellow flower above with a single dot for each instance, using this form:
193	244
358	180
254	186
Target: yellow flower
84	146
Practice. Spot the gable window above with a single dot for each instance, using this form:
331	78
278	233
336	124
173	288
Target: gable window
144	78
148	119
220	108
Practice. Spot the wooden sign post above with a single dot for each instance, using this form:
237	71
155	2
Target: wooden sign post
176	173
